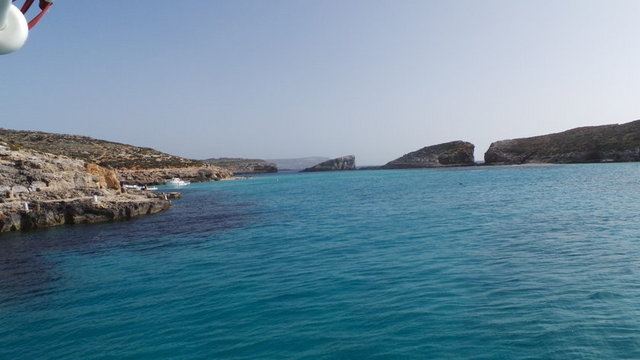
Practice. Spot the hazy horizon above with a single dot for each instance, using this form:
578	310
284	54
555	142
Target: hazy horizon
284	79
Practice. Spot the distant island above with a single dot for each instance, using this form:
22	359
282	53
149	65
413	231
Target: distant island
342	163
591	144
454	153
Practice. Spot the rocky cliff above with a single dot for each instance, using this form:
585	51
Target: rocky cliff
134	165
244	166
606	143
39	190
342	163
454	153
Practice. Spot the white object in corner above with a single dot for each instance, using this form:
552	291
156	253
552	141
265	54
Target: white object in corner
14	29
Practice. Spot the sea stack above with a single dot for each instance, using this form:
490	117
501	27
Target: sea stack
591	144
454	153
342	163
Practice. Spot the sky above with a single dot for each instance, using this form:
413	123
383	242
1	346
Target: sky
284	79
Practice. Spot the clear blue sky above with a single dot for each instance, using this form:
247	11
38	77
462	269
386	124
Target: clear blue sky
275	79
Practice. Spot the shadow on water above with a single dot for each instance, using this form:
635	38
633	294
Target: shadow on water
28	265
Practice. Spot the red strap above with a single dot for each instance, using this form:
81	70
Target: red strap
36	19
26	6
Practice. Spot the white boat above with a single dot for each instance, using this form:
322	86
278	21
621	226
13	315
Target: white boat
177	182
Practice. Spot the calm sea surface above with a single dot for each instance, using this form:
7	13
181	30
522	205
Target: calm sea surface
527	262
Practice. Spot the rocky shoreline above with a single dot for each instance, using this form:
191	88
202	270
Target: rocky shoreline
39	190
51	179
29	215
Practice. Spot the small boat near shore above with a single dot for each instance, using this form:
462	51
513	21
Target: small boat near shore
177	182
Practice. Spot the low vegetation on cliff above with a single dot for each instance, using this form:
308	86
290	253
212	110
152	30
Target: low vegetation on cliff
101	152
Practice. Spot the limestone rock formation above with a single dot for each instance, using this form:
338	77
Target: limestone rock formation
592	144
107	178
244	166
14	216
454	153
342	163
39	189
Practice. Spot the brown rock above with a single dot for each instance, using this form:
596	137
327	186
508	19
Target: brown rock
107	178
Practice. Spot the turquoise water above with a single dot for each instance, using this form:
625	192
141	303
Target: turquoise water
531	262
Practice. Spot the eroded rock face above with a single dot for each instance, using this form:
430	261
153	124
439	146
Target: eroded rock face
592	144
40	190
159	176
342	163
244	166
107	178
454	153
26	172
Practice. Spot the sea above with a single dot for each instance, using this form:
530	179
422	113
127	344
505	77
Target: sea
504	262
